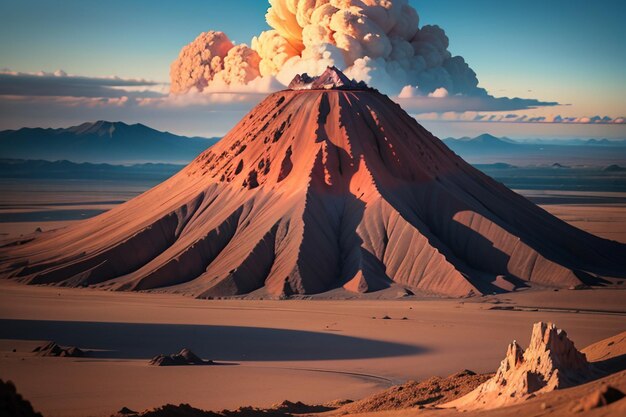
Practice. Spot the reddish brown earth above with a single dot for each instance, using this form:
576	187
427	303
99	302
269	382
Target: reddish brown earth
431	392
320	190
309	342
551	358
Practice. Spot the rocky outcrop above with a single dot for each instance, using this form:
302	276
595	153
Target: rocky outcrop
184	357
550	362
52	349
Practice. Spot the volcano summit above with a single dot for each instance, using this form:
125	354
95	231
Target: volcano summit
330	186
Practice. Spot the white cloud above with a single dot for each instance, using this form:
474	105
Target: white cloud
408	92
439	93
440	103
520	118
59	83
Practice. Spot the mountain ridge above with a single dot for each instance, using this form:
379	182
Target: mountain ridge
489	138
101	141
486	148
64	169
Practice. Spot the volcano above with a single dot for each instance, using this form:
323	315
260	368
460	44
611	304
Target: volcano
328	186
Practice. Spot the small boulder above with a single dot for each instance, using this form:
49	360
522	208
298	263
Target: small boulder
126	412
182	358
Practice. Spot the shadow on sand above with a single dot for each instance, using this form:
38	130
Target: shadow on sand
224	343
612	365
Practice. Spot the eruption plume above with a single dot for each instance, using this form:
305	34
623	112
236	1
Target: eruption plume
376	41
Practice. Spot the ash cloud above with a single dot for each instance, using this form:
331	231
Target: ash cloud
376	41
213	59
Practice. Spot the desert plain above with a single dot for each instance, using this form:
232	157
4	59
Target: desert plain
313	351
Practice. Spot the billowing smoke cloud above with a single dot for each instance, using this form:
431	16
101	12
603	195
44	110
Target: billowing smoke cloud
376	41
213	59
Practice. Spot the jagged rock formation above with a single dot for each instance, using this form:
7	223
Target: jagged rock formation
52	349
184	357
330	79
319	190
550	362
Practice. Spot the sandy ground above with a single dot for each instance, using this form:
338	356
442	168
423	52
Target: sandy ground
604	220
600	213
27	204
313	351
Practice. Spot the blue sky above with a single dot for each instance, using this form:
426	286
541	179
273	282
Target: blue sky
566	51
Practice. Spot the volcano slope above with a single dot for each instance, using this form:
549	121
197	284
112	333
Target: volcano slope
318	190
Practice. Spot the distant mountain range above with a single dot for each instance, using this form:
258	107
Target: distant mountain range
489	140
488	149
481	142
40	169
577	142
615	168
102	141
